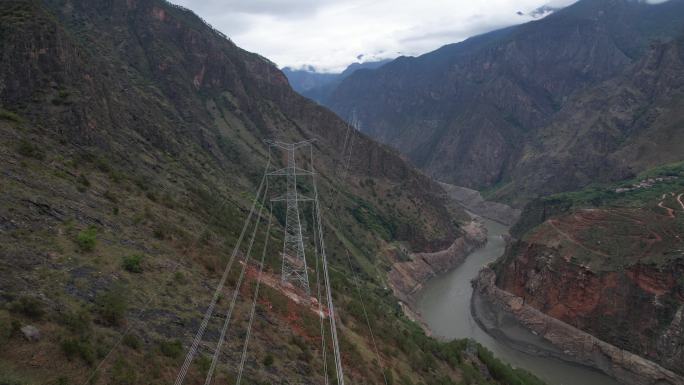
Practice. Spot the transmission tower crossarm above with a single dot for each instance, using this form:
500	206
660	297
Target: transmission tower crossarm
289	146
288	171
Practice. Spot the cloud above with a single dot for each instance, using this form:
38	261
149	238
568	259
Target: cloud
276	8
331	34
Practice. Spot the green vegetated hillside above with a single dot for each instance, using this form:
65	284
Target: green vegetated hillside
592	92
131	147
614	256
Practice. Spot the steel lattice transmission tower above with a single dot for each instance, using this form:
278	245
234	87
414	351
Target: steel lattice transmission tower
294	269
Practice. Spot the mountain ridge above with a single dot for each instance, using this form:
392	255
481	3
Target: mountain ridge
465	112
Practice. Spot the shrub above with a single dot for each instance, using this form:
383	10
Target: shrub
87	239
123	373
204	363
132	341
268	360
28	149
133	263
5	326
112	305
78	322
504	372
172	349
110	196
9	115
151	196
73	347
103	165
179	278
9	379
159	233
28	306
83	180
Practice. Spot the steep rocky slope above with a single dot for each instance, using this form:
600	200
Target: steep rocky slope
475	113
131	147
618	128
609	261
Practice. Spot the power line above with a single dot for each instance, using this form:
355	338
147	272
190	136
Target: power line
217	293
365	314
254	300
236	293
318	285
354	123
331	307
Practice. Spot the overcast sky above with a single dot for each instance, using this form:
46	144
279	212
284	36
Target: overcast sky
331	34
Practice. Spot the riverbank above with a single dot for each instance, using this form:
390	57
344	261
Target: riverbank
500	313
406	278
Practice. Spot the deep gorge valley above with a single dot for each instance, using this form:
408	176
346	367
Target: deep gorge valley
506	208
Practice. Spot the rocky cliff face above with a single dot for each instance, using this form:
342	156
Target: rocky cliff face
483	112
609	262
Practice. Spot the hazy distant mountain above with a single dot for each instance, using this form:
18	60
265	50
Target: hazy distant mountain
307	78
468	113
317	85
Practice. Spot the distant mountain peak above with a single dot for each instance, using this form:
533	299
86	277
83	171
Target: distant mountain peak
313	84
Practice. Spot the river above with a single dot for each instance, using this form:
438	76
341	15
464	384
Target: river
444	304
